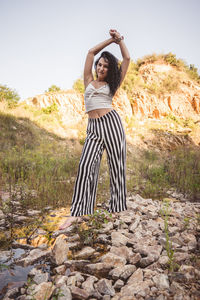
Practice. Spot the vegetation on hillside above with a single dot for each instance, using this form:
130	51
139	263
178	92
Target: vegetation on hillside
38	166
53	88
9	95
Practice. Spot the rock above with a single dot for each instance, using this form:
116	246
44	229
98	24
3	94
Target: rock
60	269
103	238
104	287
60	280
100	269
106	297
135	258
73	245
79	293
77	277
142	288
190	240
135	223
152	252
11	294
16	245
43	291
85	253
161	281
122	251
106	228
163	260
40	277
148	273
118	284
113	260
88	285
33	256
116	272
65	293
122	272
60	251
176	288
146	261
67	230
185	274
77	265
126	219
118	239
127	271
5	256
73	238
137	276
180	257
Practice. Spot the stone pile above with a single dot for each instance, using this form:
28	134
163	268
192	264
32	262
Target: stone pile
128	260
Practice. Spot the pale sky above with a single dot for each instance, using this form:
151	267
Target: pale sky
45	42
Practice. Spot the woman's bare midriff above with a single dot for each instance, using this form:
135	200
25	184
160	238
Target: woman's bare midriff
97	113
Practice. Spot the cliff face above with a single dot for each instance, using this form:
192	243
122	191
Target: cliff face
174	93
162	90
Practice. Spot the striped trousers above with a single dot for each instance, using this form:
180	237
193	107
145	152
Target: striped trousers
105	132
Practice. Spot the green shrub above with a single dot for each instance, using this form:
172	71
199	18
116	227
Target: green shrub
53	88
50	109
79	85
9	95
172	60
192	71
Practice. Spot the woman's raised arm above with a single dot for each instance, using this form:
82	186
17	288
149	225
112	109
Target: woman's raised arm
88	76
124	51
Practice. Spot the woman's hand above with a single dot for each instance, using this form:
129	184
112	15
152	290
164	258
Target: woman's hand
115	35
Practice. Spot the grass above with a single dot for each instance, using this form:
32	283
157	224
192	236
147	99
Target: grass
41	166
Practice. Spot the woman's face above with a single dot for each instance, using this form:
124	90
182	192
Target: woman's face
102	69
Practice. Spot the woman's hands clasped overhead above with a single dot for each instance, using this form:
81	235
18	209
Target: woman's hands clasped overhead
115	35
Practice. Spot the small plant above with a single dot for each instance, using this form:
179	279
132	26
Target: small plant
50	109
170	252
88	232
186	221
3	266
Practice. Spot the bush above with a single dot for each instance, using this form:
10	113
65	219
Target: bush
53	88
50	109
79	86
192	71
172	60
9	95
131	80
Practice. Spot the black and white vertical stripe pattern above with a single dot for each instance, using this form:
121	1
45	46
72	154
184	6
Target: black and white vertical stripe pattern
106	132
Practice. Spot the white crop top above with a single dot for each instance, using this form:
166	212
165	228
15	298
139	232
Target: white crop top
97	98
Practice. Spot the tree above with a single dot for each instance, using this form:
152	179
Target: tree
9	95
53	88
79	85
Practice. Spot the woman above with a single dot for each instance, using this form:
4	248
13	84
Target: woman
104	131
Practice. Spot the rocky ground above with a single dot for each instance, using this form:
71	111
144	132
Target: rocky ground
150	251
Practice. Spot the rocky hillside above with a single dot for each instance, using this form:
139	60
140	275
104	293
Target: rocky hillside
159	89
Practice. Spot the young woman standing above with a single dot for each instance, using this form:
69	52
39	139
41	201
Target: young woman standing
104	131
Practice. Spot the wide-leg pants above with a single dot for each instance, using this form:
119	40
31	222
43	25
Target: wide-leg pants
105	132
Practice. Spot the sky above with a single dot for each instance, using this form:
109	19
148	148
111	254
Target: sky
45	42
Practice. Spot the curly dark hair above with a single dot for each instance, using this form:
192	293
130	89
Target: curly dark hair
114	72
